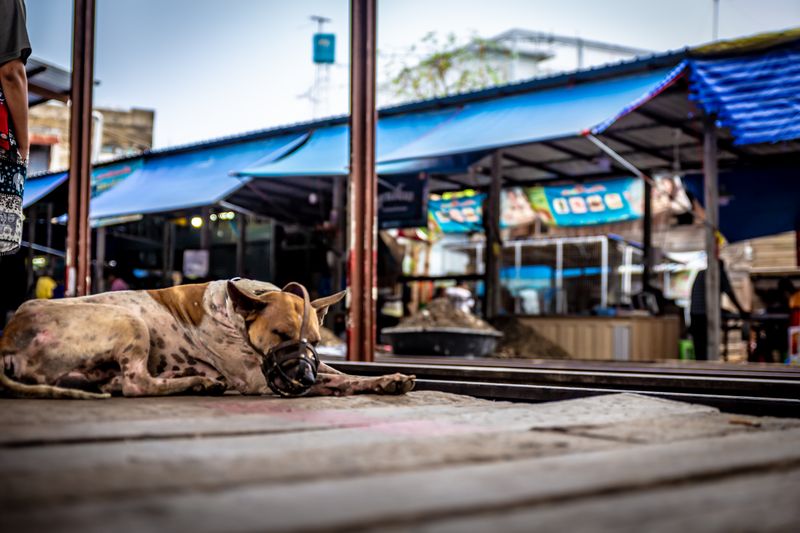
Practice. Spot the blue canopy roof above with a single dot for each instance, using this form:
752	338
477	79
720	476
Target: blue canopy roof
327	151
540	115
37	188
756	96
188	179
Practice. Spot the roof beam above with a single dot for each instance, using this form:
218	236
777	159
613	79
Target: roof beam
533	164
282	210
47	93
653	152
685	129
450	179
287	207
569	151
578	155
289	189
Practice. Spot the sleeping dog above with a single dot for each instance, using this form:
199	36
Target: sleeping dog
203	338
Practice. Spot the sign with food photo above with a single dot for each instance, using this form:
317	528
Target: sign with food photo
588	204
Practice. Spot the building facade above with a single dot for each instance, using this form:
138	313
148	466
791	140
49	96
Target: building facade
117	132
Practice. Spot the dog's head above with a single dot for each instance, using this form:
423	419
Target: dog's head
274	319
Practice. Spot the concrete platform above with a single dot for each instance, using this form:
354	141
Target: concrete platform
426	461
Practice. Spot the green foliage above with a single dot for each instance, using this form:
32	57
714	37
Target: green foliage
448	67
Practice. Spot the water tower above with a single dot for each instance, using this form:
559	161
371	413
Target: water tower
324	45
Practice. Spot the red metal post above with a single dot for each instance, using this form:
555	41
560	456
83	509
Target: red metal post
362	272
78	229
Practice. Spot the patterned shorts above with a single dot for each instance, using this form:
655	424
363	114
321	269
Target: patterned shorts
12	184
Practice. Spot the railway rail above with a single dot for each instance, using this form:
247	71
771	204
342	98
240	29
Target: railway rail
765	390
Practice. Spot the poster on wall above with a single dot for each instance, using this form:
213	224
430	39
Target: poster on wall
403	201
515	209
462	212
587	204
457	212
195	264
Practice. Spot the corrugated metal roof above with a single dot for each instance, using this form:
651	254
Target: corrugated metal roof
756	96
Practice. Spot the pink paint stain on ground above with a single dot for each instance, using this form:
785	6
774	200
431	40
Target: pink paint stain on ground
330	417
341	418
427	428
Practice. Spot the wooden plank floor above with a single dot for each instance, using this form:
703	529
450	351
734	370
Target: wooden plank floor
426	461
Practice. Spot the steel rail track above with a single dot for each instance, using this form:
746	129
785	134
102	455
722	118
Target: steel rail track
756	392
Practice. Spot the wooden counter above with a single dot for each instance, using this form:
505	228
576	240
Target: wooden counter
611	338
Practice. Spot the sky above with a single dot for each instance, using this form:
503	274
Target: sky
211	68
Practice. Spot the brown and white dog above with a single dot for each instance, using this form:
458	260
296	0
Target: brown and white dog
204	338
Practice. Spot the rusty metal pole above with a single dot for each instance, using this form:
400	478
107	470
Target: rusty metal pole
80	165
363	184
494	246
647	237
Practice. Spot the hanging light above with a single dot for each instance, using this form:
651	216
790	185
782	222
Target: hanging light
196	222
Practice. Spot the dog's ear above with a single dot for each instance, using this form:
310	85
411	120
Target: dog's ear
243	303
321	305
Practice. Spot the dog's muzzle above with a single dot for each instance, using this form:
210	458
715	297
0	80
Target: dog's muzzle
291	368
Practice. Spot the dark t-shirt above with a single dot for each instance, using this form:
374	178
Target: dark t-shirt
698	298
14	43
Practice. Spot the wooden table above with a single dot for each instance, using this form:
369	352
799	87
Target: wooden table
425	461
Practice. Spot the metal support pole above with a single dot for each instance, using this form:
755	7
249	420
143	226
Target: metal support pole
604	272
363	184
78	230
49	222
273	249
559	277
241	246
166	252
627	277
647	237
797	246
339	223
205	229
100	259
711	189
491	226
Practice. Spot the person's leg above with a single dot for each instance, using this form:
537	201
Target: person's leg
699	331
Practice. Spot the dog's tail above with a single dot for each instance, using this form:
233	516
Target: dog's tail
24	390
46	391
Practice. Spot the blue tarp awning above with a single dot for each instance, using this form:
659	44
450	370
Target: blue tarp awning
39	187
756	96
190	179
754	202
327	151
541	115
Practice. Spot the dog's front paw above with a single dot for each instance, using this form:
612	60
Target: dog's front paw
396	384
210	386
217	388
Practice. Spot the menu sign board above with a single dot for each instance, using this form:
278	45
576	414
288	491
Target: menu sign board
587	204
